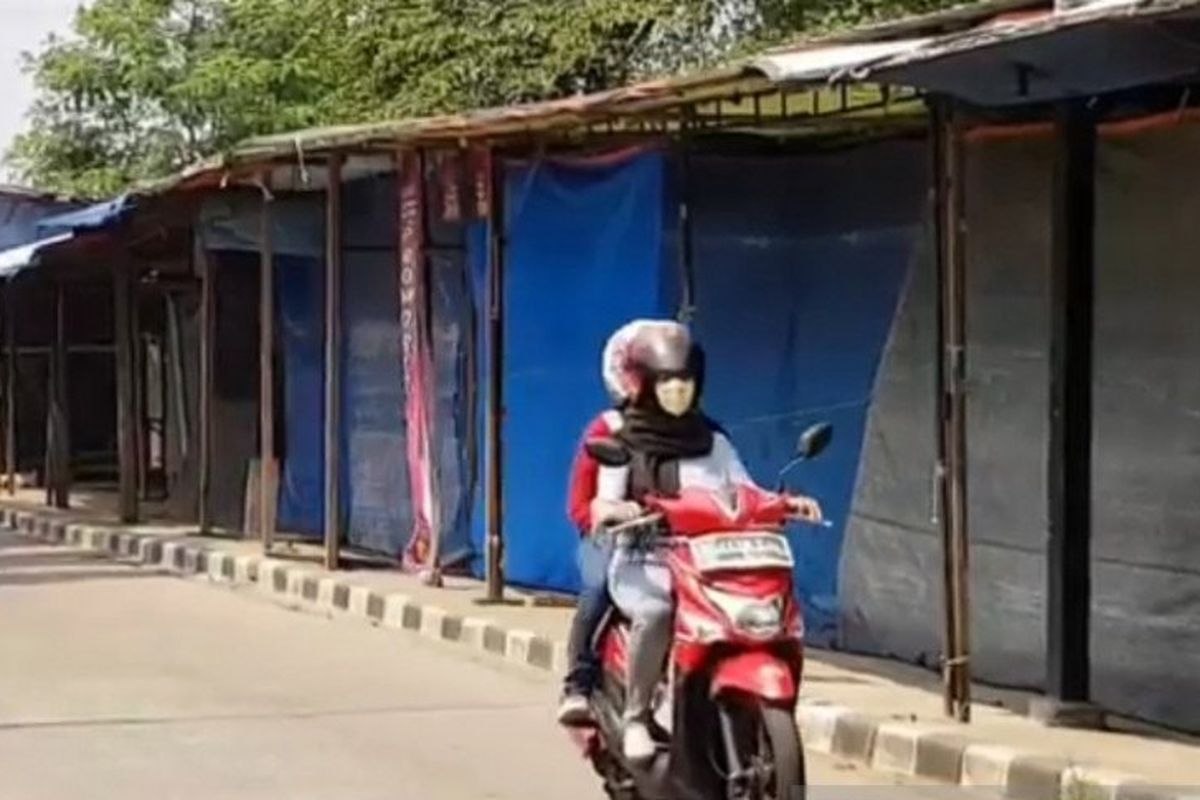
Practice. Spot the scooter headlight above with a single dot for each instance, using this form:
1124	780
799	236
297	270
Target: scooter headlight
753	617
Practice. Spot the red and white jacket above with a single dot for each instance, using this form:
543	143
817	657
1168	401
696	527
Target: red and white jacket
585	471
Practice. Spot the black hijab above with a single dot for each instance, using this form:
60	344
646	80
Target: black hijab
658	440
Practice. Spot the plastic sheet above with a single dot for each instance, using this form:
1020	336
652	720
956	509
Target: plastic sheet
375	478
585	255
798	270
300	330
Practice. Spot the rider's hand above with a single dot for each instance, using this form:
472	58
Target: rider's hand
617	512
806	509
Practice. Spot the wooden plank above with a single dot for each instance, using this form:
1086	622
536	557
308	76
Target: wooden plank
268	481
10	384
60	444
687	278
207	319
495	409
938	206
1068	591
138	363
950	204
333	361
126	410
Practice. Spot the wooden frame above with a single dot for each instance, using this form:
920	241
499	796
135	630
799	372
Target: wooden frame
333	359
268	481
127	446
207	329
949	199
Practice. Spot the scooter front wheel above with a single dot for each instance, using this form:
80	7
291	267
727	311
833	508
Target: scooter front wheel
786	754
764	759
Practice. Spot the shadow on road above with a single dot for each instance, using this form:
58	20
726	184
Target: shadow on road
49	577
28	557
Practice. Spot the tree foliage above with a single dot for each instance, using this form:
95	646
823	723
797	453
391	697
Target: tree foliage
140	88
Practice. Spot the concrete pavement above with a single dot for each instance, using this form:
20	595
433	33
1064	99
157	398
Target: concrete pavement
117	682
873	711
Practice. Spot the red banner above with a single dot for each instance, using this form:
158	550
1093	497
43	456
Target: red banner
417	362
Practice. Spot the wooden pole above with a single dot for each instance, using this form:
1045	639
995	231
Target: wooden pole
938	208
10	382
140	437
126	409
952	331
59	414
687	282
207	320
1068	591
495	410
333	358
268	467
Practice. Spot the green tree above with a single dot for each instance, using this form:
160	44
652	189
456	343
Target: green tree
140	88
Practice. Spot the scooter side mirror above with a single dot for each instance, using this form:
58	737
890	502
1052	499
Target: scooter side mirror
814	441
608	452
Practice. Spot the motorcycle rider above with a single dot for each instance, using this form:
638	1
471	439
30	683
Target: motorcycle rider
673	445
595	549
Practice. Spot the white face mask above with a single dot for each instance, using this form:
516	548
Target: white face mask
675	396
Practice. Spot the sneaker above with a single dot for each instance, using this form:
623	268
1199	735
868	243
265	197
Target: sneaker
638	744
574	710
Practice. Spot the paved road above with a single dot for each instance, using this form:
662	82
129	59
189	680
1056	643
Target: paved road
120	683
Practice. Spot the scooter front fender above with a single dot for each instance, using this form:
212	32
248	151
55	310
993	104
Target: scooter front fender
758	673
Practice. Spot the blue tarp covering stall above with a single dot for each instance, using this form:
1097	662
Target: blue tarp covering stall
586	254
230	223
797	282
375	481
798	267
24	234
300	299
376	484
97	217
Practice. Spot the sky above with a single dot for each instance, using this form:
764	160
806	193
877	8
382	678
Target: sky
24	24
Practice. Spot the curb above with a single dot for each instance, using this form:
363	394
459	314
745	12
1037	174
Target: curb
882	745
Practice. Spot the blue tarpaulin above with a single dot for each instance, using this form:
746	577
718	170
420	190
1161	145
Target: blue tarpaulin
23	239
798	268
300	298
17	259
233	221
21	218
375	475
586	254
797	280
90	218
477	272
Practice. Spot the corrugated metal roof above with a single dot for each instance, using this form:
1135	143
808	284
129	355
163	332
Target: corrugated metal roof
829	63
1077	52
1027	27
487	124
966	15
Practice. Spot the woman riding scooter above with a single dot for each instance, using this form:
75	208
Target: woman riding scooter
673	446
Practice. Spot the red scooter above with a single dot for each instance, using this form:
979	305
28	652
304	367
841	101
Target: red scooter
725	718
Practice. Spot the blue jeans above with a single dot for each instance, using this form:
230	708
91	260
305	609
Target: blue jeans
593	558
